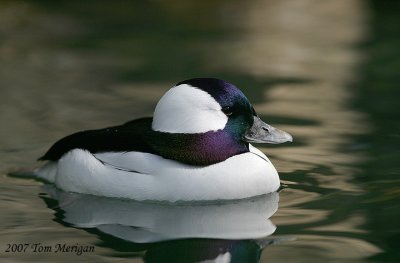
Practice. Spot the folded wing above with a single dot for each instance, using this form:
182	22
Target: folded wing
127	137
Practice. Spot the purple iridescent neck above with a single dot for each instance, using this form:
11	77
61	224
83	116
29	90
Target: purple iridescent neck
199	148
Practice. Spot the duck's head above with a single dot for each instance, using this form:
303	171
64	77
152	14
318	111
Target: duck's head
203	105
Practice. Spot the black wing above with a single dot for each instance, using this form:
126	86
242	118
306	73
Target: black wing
127	137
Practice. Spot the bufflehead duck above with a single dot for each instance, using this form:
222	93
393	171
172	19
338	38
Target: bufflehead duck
195	148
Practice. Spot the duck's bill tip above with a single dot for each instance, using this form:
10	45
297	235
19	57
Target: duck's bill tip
282	137
272	139
261	132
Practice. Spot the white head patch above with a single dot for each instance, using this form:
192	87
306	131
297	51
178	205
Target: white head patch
186	109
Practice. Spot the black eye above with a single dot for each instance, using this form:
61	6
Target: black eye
227	110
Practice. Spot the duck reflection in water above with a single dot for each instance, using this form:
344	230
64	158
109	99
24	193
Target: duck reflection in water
235	231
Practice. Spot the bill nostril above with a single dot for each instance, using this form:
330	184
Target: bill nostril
265	129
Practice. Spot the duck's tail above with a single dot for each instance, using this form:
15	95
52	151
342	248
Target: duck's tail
47	172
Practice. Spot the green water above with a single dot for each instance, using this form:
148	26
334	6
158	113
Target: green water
325	71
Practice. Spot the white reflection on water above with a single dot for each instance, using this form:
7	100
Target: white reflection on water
148	222
236	228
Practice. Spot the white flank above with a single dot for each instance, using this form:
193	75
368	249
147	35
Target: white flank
241	176
186	109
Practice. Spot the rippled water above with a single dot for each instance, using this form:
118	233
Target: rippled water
325	71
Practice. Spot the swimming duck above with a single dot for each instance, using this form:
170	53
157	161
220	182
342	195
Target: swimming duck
197	147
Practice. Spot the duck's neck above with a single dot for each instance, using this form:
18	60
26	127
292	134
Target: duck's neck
198	148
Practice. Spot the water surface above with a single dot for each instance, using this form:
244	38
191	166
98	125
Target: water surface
325	71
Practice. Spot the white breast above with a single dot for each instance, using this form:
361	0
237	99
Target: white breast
156	178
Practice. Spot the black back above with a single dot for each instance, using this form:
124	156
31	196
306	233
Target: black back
127	137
